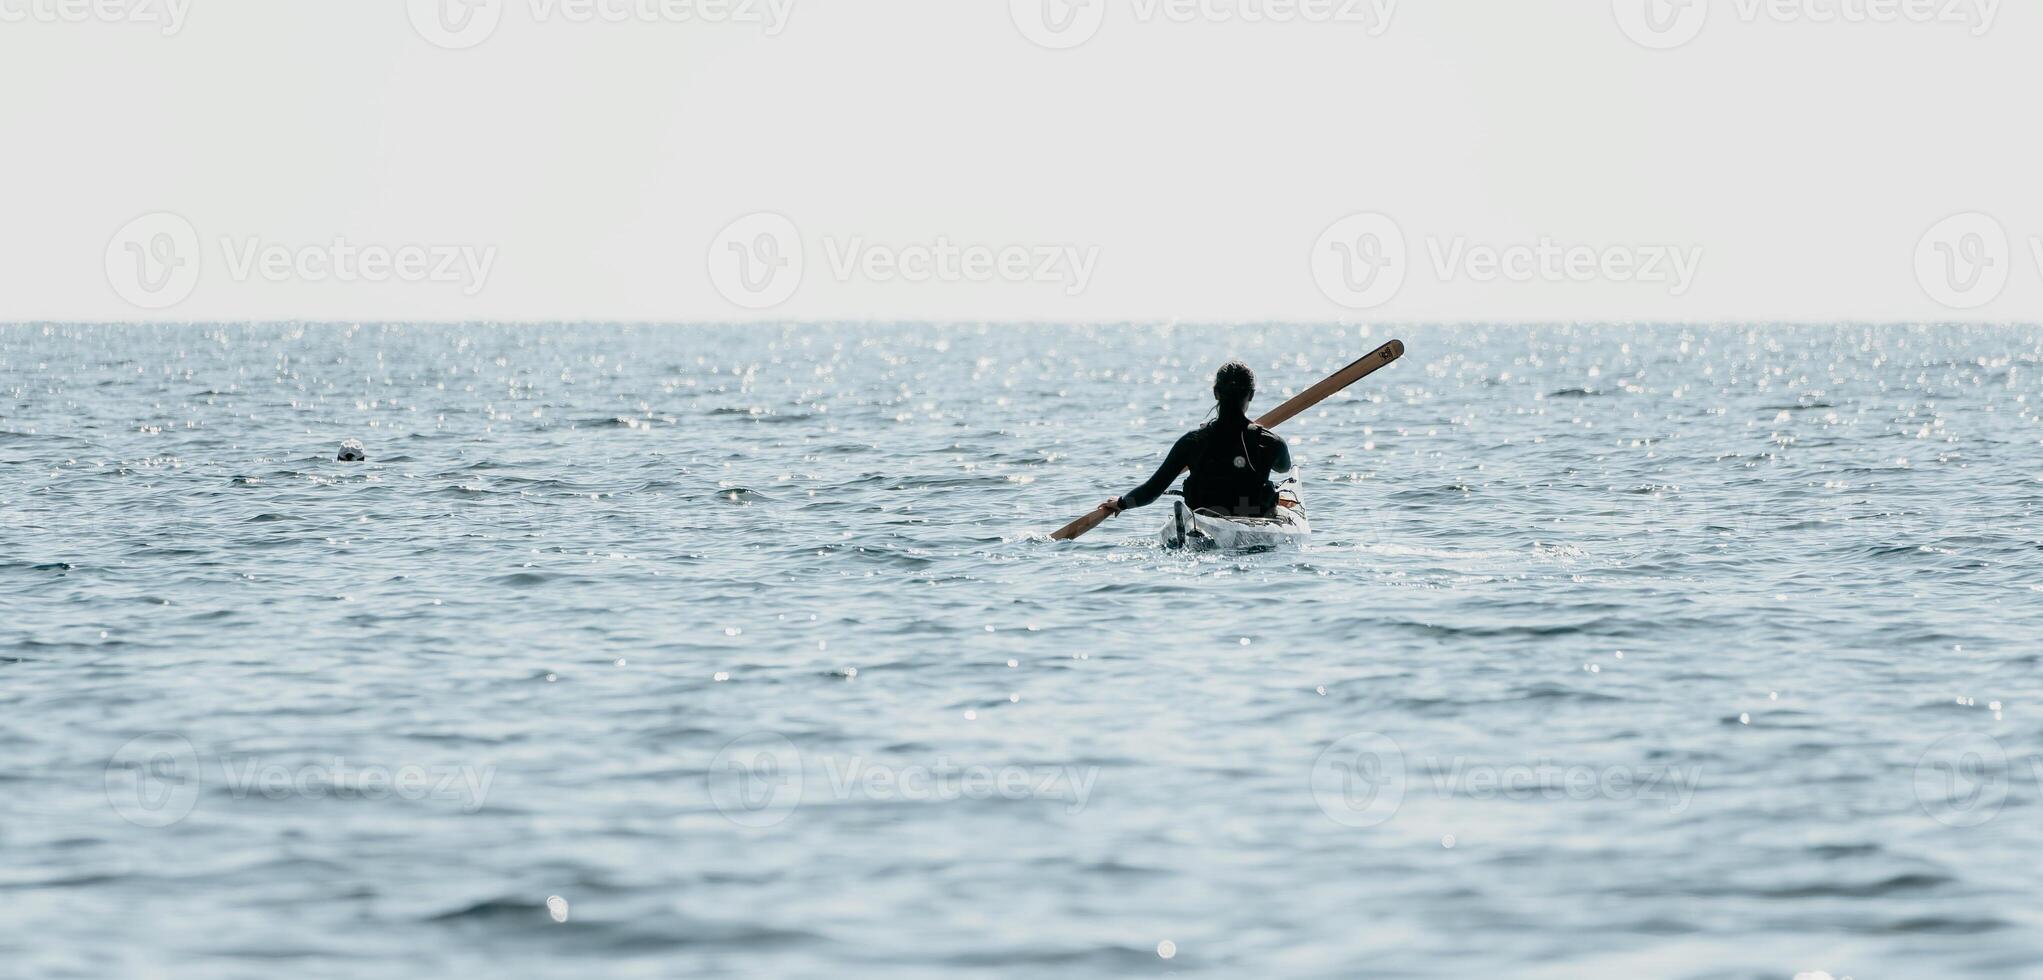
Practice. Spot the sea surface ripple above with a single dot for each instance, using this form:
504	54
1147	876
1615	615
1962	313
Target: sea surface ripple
662	651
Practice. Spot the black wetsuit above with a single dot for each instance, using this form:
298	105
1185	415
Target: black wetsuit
1231	460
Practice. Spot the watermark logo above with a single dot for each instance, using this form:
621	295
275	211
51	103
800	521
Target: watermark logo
1962	780
757	261
456	24
1359	780
154	261
1672	519
153	781
1064	24
1977	16
1545	779
1665	24
460	24
156	780
167	16
1661	25
1964	261
942	260
1551	261
1360	261
756	780
465	266
1058	25
759	780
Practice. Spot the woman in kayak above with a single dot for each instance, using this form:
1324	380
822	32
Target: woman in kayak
1231	458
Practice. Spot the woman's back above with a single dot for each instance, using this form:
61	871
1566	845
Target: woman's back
1231	468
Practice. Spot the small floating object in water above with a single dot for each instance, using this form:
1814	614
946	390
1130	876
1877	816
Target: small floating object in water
352	452
557	907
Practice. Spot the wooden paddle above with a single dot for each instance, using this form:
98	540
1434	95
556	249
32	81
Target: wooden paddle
1275	417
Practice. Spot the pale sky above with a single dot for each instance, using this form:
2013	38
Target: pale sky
672	160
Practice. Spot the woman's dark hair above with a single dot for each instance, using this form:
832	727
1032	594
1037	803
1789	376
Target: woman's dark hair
1234	386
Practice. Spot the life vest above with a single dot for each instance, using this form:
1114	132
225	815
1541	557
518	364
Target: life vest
1231	473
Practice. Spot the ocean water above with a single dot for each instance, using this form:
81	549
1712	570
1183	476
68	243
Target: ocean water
663	651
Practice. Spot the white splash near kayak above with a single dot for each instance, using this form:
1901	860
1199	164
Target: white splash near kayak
1201	530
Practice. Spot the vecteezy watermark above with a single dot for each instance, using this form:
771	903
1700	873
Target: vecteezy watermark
152	781
758	262
1546	780
1964	261
157	780
339	260
758	780
1361	262
1666	24
1361	780
455	24
167	16
1060	25
1963	780
155	262
1661	24
460	24
1679	519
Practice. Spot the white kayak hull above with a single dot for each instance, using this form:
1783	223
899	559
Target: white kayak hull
1202	531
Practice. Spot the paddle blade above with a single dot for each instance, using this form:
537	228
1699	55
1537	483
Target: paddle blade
1366	366
1074	530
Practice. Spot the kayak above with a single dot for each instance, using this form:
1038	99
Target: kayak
1180	530
1201	530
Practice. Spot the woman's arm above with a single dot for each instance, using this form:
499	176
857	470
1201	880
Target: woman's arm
1280	461
1179	460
